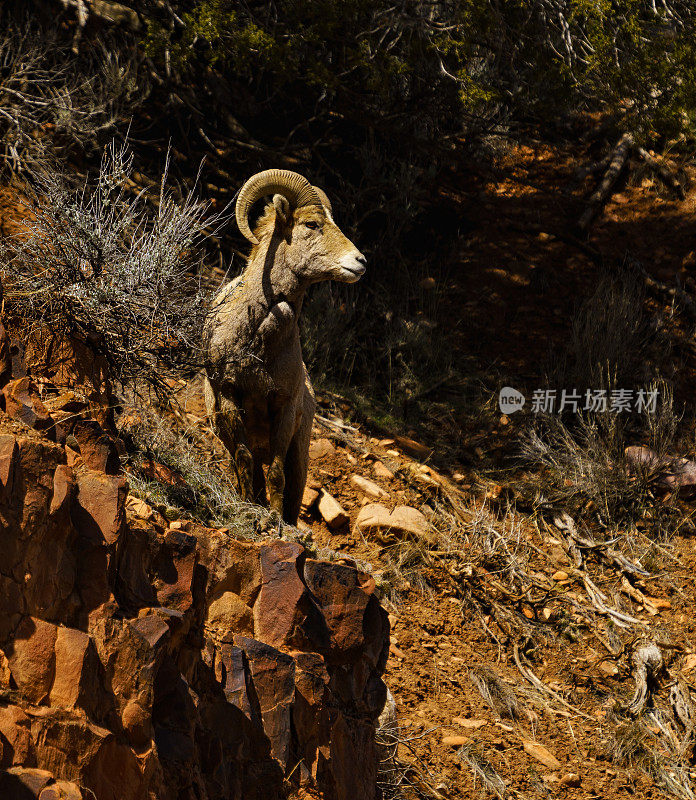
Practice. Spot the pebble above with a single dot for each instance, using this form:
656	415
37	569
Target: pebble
541	754
368	488
455	740
469	724
309	498
382	472
570	779
320	448
331	511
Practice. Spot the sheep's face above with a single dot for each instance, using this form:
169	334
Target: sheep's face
318	250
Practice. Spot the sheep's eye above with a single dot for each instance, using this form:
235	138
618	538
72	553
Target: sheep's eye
312	225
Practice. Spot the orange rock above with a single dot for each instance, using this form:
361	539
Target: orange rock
454	740
541	754
320	448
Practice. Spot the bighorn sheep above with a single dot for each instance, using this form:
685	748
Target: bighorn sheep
257	390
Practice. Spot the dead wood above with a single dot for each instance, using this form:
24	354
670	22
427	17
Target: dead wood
593	168
597	200
674	295
647	664
527	673
663	172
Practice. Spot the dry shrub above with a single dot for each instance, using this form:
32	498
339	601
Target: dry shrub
585	462
54	103
97	266
207	493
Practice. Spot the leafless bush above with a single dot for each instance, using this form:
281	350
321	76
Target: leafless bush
49	103
649	745
586	461
482	768
498	696
610	339
95	265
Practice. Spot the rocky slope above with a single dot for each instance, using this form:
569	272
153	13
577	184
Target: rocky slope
146	659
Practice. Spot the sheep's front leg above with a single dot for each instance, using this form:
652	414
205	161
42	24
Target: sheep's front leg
276	485
227	422
283	422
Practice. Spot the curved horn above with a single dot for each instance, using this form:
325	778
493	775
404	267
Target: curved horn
324	199
293	186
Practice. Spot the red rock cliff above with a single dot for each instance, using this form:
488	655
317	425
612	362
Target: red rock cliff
143	662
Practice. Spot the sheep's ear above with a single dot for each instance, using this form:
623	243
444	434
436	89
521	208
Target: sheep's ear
282	208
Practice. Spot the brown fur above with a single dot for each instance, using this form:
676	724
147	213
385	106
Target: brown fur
258	392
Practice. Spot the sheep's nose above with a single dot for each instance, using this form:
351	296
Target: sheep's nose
361	260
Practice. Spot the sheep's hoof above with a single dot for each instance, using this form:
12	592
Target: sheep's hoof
273	524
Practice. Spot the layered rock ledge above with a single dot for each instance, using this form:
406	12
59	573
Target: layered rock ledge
146	661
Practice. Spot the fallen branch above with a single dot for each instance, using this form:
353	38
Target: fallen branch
647	664
667	294
617	162
527	673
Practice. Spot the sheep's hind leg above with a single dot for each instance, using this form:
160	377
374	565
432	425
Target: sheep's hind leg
244	467
297	459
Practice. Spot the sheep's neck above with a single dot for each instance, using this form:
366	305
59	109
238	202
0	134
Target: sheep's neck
275	282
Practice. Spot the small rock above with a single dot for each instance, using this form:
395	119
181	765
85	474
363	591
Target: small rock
608	669
368	487
560	575
309	498
396	652
454	740
320	449
427	283
331	511
541	754
570	779
139	508
470	724
382	472
404	520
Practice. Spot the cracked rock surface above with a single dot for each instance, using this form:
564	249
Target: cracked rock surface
140	660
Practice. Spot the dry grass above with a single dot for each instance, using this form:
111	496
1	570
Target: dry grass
207	492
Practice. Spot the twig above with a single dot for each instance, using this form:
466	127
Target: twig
542	687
